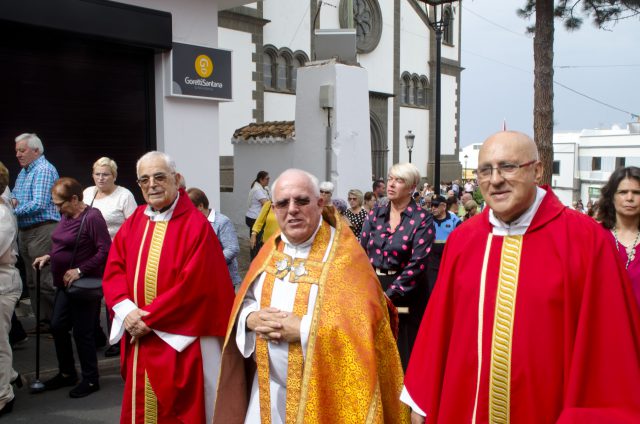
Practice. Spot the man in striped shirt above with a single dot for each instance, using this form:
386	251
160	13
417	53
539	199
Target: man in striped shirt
37	215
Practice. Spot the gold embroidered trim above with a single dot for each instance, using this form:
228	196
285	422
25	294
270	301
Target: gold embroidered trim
373	406
150	402
153	261
134	379
133	383
500	379
313	331
262	356
481	295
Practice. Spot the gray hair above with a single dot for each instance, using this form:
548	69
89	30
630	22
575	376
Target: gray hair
156	154
315	186
33	141
327	186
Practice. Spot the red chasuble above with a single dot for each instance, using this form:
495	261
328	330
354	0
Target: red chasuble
540	328
175	270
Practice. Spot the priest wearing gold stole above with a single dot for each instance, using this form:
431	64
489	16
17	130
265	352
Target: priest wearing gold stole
309	340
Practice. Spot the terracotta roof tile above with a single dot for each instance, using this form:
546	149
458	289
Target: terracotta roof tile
266	131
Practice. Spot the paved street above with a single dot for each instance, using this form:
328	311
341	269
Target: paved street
57	407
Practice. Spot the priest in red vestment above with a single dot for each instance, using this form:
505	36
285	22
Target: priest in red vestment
532	319
167	283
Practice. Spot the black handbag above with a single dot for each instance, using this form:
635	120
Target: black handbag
85	288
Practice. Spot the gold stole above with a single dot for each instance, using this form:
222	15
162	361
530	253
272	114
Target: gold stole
500	378
305	272
150	293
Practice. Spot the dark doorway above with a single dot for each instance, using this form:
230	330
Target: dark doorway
85	98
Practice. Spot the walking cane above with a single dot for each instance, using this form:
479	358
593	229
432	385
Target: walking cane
36	385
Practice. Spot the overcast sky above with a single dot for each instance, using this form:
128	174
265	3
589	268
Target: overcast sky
497	81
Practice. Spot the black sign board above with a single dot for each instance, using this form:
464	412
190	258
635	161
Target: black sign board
200	72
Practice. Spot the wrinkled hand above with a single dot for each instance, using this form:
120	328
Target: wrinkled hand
41	261
416	418
275	325
135	326
70	276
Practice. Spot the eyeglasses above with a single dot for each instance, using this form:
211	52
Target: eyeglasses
159	178
102	175
59	204
506	170
352	198
325	192
298	201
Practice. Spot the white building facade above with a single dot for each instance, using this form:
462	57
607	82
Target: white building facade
584	161
395	45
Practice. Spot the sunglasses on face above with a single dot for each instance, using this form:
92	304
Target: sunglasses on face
298	201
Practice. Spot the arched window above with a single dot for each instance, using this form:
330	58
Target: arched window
268	67
447	18
281	72
411	90
404	88
416	87
299	59
422	93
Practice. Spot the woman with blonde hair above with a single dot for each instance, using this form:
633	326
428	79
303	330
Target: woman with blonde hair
116	204
397	238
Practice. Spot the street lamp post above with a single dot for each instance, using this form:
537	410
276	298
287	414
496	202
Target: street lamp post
465	167
437	23
410	139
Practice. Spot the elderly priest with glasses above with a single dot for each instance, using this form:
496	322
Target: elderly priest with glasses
532	319
309	340
168	285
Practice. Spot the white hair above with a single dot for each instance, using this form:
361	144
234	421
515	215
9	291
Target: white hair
156	154
315	186
327	186
33	141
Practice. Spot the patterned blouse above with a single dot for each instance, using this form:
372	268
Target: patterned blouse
402	249
356	219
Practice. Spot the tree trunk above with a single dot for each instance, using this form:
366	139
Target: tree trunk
543	86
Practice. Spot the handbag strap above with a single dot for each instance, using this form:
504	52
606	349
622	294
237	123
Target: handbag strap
75	247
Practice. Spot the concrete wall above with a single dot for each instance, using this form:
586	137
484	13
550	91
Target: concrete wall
350	126
448	113
279	107
237	113
289	26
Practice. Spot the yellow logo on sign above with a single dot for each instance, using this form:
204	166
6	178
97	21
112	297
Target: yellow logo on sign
204	65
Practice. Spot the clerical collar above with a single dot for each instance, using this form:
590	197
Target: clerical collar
304	243
165	215
519	226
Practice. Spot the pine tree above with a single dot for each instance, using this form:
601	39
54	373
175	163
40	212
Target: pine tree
572	14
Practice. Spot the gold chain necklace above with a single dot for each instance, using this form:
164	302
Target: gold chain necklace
631	250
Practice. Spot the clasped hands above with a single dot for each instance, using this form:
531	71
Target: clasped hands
275	325
134	324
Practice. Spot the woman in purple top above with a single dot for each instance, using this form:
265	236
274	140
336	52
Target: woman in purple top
70	312
397	238
619	212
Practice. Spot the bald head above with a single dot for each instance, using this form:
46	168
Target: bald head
508	173
511	140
